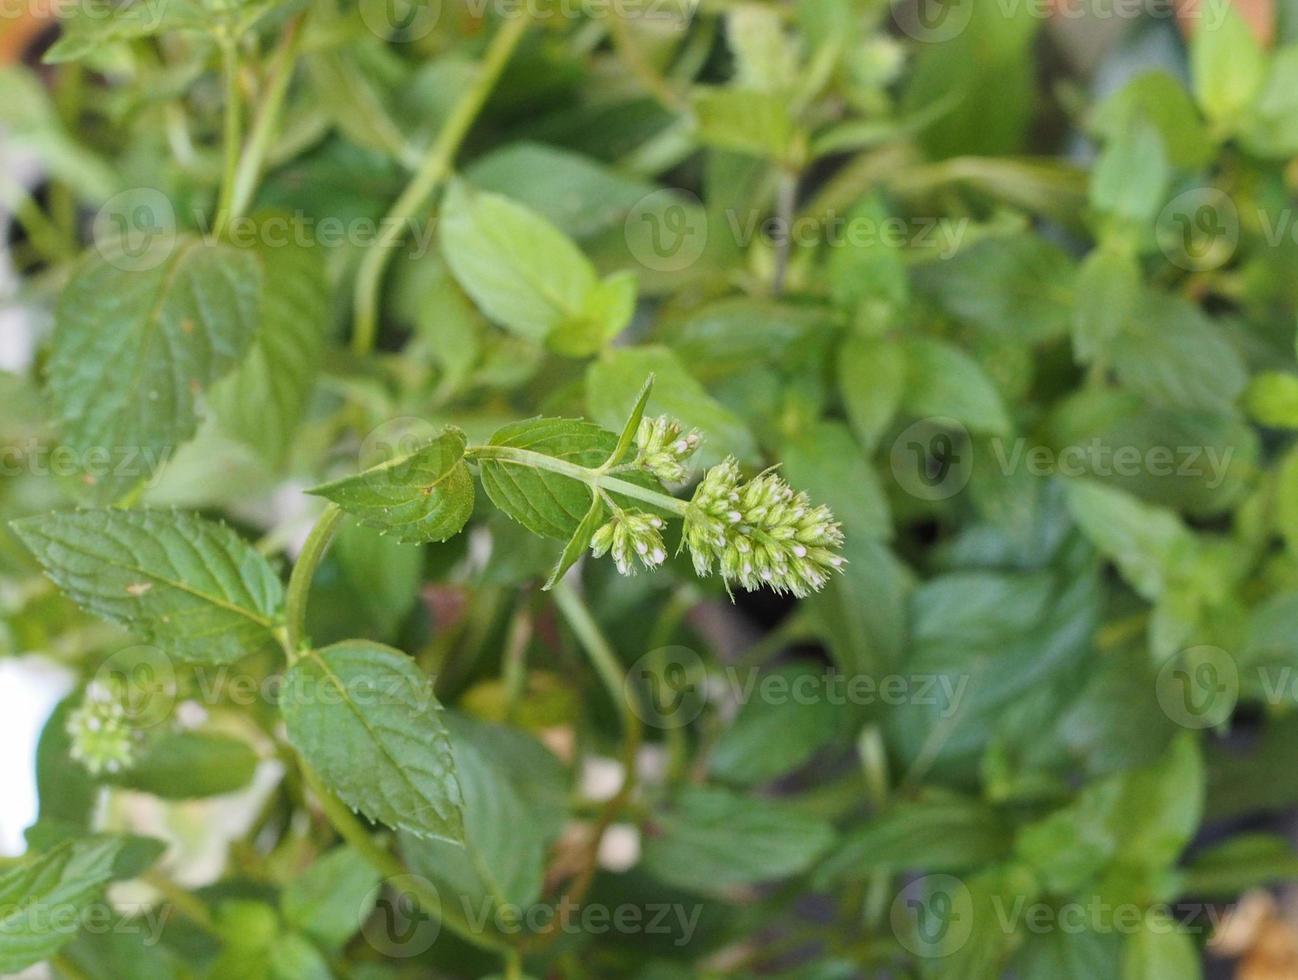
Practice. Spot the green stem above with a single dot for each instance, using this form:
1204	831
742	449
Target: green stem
299	583
595	479
266	123
351	830
432	171
231	137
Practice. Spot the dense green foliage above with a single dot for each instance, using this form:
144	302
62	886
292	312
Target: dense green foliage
629	490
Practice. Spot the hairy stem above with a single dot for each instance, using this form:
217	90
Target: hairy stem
432	171
299	583
595	479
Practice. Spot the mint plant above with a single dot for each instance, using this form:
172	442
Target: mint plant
651	489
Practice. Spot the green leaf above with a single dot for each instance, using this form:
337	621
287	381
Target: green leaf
1147	543
332	898
134	350
96	23
1162	100
1272	399
1108	291
1160	951
193	588
1271	128
381	574
772	737
827	463
745	120
1251	860
499	866
944	381
364	718
712	840
42	900
578	543
32	122
521	271
864	637
544	502
1172	354
1131	176
577	194
871	379
264	399
1075	954
607	310
191	765
613	381
424	496
1227	64
937	833
67	793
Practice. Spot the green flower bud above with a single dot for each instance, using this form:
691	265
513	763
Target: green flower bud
662	448
102	739
632	537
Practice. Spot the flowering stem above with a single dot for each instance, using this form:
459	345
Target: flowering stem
596	479
431	173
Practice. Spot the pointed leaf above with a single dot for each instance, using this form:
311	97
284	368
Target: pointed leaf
424	496
365	718
193	588
578	543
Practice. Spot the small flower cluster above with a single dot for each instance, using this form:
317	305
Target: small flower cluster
631	536
662	448
761	532
103	739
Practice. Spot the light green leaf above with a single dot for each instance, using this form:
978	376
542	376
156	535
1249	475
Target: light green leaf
1163	100
1146	542
134	350
944	381
364	717
1227	63
1271	128
193	588
1272	399
578	543
37	896
1108	291
424	496
745	120
264	399
32	122
328	901
871	378
613	381
609	306
521	271
1131	176
1250	860
713	839
1160	951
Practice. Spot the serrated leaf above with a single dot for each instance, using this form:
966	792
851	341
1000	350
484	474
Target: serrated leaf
544	502
42	900
424	496
364	717
134	350
264	399
193	588
625	440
